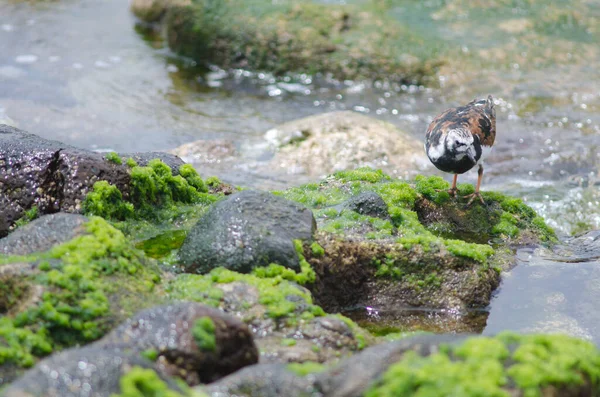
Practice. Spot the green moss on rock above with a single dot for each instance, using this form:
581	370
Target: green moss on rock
28	216
306	368
203	332
500	366
83	281
348	41
145	382
114	158
154	193
281	298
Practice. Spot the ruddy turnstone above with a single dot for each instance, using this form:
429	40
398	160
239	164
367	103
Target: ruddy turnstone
459	138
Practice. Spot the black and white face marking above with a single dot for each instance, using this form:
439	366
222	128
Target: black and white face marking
459	143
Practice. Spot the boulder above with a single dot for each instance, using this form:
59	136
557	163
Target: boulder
368	203
89	371
329	142
247	230
49	175
188	340
43	233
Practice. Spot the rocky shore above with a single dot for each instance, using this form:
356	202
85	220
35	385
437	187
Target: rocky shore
123	273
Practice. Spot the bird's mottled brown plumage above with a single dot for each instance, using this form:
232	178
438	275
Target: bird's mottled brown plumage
478	116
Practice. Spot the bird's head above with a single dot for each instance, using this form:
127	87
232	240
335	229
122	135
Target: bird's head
459	143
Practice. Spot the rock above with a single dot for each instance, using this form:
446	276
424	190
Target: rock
206	151
89	371
286	325
153	10
354	376
450	364
247	230
142	159
343	140
191	341
47	174
265	380
349	42
43	233
368	203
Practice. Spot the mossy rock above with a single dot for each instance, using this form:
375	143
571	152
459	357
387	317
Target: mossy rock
71	294
347	41
432	251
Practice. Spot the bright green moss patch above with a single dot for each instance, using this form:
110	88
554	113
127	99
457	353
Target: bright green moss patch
114	158
28	216
163	244
507	225
106	200
281	298
317	250
79	278
495	366
155	193
203	332
145	382
150	354
477	252
306	368
362	174
20	346
433	188
131	163
288	342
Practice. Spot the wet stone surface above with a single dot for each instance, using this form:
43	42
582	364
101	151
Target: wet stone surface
247	230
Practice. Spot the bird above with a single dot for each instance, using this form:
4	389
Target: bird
460	138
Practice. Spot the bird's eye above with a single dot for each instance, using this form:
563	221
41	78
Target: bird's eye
457	143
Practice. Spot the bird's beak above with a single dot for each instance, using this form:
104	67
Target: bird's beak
471	153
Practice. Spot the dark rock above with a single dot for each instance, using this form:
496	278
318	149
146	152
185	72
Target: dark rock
264	380
356	374
247	230
167	331
43	233
48	174
89	371
142	159
370	204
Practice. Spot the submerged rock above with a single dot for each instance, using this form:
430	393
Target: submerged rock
326	143
188	340
347	41
245	231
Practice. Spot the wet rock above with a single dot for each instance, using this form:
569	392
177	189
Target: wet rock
142	159
48	174
347	41
43	233
248	230
153	10
354	376
191	341
89	371
447	364
265	380
368	203
286	325
206	151
329	142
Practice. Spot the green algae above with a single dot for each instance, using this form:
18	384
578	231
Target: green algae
154	193
81	280
281	298
162	244
317	250
347	41
145	382
106	200
203	332
494	366
306	368
433	188
288	342
150	354
131	163
114	158
28	216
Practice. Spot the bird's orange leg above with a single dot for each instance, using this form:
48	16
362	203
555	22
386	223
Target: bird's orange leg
453	190
472	196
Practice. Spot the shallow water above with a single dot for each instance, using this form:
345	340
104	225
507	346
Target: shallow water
79	71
